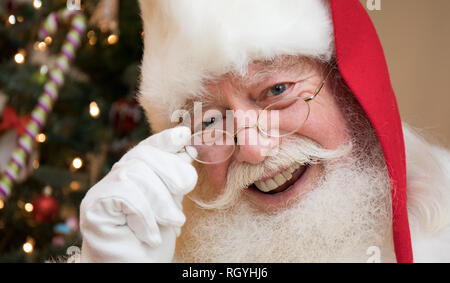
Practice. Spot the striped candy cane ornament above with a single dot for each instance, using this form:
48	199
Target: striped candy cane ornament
50	93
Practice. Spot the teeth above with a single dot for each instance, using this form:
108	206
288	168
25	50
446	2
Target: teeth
280	179
293	168
273	183
287	175
262	186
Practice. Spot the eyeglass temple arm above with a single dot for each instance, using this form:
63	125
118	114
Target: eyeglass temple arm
319	88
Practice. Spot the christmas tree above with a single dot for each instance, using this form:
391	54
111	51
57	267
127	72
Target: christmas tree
93	122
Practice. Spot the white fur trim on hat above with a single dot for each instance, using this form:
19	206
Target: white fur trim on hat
189	41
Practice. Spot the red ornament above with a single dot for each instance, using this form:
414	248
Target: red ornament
11	120
125	115
45	208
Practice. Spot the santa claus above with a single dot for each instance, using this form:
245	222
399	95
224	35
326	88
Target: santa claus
278	140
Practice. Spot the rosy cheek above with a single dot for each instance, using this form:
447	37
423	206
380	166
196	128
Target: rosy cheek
325	125
217	175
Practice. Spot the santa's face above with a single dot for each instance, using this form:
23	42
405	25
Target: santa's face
332	200
278	186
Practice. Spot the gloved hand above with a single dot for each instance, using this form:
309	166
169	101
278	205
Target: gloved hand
134	213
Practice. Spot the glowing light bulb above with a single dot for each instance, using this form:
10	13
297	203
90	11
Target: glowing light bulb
42	46
94	110
92	40
12	19
77	163
112	39
74	185
28	247
40	138
37	4
48	40
92	37
2	204
19	58
28	207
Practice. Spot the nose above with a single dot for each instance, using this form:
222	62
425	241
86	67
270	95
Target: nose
252	146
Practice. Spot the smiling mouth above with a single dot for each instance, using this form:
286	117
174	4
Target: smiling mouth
282	181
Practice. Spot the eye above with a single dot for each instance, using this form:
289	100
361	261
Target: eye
209	122
277	89
210	119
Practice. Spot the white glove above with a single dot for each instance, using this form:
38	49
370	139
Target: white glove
134	213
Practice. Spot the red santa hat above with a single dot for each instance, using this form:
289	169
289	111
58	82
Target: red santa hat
187	42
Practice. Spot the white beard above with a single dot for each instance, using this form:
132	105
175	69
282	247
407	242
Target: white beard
347	212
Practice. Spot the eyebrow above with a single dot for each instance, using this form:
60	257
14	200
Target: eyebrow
270	67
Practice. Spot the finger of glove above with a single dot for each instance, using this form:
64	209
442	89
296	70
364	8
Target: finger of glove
148	201
166	209
180	177
170	140
138	221
104	213
188	157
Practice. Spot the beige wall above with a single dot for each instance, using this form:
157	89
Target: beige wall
416	38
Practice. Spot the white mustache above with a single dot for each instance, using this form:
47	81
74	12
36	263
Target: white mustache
292	149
